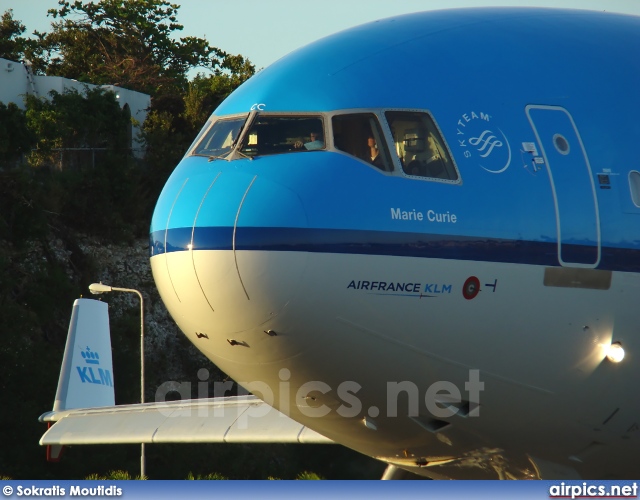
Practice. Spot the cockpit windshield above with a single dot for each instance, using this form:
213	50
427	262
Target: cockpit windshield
419	146
270	135
219	139
267	135
398	142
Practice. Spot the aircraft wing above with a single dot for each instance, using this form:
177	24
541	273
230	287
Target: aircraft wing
241	419
84	411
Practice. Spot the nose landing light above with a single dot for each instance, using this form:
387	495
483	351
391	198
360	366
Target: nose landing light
615	352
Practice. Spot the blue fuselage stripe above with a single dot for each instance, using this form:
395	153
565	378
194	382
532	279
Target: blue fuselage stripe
401	244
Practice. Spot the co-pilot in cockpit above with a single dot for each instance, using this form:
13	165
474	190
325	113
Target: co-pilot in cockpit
419	148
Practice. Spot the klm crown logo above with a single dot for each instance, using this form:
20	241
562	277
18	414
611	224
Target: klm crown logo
91	358
87	375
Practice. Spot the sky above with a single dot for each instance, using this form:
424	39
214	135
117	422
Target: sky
265	30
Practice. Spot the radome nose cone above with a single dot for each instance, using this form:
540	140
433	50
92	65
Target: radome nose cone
226	278
250	276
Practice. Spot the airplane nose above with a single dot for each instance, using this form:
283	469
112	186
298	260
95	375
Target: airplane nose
223	274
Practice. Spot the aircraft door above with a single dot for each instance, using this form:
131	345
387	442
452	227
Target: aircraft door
574	193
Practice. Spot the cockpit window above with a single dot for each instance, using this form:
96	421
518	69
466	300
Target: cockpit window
219	139
419	145
270	135
360	135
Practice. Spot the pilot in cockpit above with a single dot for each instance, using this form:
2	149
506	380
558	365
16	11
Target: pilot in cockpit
374	153
315	141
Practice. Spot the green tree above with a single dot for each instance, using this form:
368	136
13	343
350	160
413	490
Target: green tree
126	43
15	137
206	92
15	47
86	136
235	70
71	119
12	43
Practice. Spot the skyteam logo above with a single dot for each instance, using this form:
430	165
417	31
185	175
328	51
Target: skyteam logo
483	142
91	362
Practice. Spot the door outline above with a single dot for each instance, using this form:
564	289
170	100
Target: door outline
553	185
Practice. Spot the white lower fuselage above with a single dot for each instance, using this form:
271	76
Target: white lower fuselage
510	381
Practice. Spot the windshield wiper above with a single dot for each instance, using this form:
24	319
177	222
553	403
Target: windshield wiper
234	154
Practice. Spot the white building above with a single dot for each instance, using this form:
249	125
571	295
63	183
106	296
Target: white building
17	80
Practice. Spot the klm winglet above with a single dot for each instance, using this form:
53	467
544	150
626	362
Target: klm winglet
86	376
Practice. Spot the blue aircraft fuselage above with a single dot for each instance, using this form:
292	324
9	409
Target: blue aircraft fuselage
518	258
